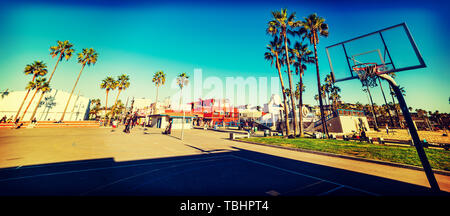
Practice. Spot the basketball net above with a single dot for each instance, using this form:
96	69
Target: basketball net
366	70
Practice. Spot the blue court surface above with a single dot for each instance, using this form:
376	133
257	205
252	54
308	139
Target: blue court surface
234	173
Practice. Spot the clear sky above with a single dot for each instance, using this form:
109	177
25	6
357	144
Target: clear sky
224	39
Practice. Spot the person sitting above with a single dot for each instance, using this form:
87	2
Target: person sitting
363	135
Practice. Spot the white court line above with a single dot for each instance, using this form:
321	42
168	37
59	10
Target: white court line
104	168
301	174
144	173
173	174
334	189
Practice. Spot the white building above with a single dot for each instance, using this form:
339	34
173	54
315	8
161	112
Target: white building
141	103
50	108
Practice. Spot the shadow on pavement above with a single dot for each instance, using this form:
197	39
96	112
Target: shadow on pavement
234	173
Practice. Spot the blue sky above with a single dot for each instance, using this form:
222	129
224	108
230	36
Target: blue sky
224	39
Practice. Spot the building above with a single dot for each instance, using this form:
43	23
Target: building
163	120
50	109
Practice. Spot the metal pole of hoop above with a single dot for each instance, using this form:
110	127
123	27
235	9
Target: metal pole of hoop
414	135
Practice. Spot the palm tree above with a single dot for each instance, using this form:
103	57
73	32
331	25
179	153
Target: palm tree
159	78
302	56
88	56
313	26
108	84
119	107
316	97
274	48
39	85
182	81
94	110
334	95
424	114
279	25
123	82
65	51
324	90
37	68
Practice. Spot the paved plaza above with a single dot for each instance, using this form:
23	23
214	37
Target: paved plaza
104	161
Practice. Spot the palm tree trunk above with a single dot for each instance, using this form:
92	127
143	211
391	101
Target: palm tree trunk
37	105
182	122
26	109
385	102
327	99
322	114
286	114
395	107
373	109
115	104
24	99
156	101
300	114
106	106
290	84
42	94
73	89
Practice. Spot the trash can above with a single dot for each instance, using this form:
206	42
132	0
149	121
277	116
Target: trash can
266	132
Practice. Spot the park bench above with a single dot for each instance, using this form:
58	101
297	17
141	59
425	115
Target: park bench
233	135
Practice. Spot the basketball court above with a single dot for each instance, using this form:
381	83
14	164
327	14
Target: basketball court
212	167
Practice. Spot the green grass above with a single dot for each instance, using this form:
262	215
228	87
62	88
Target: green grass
439	159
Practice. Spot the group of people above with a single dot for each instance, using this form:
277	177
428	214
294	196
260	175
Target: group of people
6	119
130	121
249	126
17	123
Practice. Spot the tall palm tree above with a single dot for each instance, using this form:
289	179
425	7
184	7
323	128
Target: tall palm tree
88	56
159	78
182	81
279	24
299	89
315	26
108	84
123	82
367	90
302	57
65	51
274	48
40	84
37	68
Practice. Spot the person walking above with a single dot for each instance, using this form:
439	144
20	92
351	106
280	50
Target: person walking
127	124
387	129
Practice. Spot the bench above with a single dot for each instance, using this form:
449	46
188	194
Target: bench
238	135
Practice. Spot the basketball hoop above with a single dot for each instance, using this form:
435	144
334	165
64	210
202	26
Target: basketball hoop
365	70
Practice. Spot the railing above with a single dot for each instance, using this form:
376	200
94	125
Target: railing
328	117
